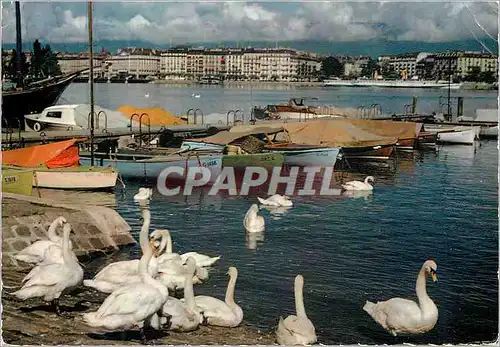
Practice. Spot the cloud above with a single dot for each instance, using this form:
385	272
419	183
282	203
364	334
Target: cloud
176	22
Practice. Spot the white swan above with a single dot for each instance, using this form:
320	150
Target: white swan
131	305
35	253
358	185
171	269
276	200
403	316
201	259
183	315
254	223
120	273
221	313
296	330
51	280
144	194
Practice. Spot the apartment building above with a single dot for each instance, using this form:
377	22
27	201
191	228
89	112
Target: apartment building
353	66
404	64
73	62
138	62
462	63
265	64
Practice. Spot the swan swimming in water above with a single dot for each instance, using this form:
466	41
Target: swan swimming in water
36	252
296	330
221	313
254	223
403	316
202	260
184	315
276	200
131	305
51	280
358	185
144	194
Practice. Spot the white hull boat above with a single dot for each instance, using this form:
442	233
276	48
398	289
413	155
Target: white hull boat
78	179
297	155
465	137
201	146
136	167
489	131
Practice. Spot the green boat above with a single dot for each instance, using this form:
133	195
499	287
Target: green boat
17	181
267	160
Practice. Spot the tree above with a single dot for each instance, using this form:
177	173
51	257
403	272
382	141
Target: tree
487	76
370	68
473	74
331	66
44	62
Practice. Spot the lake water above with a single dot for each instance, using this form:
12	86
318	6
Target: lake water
441	205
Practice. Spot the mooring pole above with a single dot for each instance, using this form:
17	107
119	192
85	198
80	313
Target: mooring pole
19	47
91	81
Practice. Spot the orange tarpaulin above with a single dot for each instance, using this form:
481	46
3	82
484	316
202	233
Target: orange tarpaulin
52	155
156	115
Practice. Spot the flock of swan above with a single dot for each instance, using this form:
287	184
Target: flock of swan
143	292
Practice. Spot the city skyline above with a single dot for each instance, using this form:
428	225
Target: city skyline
186	23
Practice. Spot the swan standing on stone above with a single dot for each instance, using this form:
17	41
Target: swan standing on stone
120	273
403	316
51	280
276	200
35	253
221	313
358	185
133	304
183	315
296	330
254	223
143	194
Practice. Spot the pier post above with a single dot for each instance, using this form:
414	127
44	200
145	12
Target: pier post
91	79
460	108
414	105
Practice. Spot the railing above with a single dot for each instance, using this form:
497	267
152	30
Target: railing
97	117
140	128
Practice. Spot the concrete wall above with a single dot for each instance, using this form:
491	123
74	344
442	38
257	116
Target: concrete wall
27	219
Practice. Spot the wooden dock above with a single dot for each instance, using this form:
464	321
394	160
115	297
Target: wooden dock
183	131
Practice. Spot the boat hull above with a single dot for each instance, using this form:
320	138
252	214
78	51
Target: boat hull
465	137
151	169
202	146
372	152
81	177
258	159
317	157
17	104
17	181
489	132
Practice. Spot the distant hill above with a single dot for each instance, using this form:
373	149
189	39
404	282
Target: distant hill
372	48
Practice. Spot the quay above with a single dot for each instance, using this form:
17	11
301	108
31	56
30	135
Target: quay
192	130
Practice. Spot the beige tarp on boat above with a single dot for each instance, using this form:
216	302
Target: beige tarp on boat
226	137
401	130
335	133
156	115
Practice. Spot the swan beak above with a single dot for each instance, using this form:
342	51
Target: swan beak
434	277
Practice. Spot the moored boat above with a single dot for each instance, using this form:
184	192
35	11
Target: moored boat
17	181
305	155
465	137
56	165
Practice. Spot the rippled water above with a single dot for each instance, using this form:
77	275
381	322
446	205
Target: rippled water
442	205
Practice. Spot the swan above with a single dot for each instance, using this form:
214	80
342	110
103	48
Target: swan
132	305
403	316
36	252
202	260
221	313
120	273
296	330
51	280
276	200
254	223
358	185
171	269
183	315
144	194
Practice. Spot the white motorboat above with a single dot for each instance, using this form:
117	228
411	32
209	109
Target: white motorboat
465	137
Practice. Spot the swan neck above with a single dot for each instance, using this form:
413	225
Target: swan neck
51	233
143	267
188	290
169	243
143	236
230	290
66	248
299	300
421	288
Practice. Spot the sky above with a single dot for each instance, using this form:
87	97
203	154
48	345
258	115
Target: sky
189	22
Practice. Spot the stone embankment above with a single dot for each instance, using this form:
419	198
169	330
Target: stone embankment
27	219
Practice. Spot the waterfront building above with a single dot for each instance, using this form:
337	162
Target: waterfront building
462	63
73	62
138	62
404	64
353	66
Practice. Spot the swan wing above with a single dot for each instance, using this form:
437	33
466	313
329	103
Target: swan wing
210	305
118	269
34	252
48	275
268	201
126	300
395	313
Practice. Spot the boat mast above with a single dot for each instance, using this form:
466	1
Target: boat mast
91	81
19	46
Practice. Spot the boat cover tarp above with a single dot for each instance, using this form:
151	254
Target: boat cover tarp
226	137
113	119
155	115
401	130
334	133
52	155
